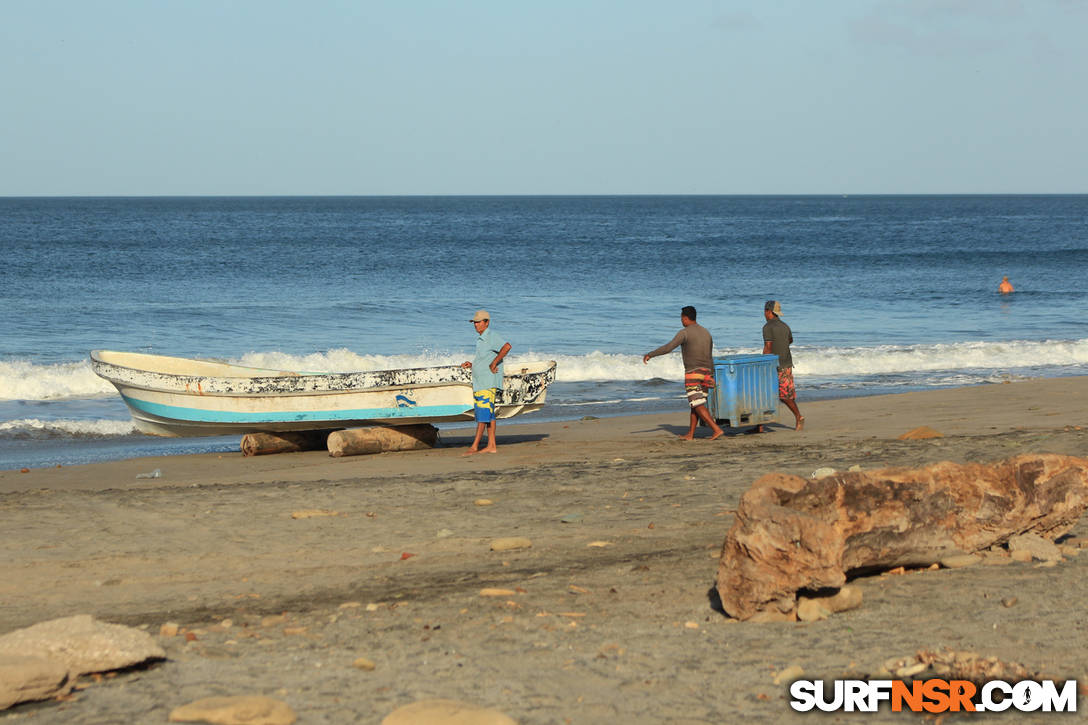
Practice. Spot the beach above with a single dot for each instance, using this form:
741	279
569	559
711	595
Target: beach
283	571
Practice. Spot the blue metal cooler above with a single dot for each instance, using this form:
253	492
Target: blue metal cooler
745	391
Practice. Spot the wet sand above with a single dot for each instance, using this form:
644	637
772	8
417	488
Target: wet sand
608	619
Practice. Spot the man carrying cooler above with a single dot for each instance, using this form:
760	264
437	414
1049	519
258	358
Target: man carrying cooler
697	351
486	366
777	338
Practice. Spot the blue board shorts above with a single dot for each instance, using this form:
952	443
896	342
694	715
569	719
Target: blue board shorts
485	405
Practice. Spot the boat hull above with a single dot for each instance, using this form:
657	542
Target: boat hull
178	397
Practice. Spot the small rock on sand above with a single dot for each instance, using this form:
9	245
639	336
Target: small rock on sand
823	472
362	663
811	610
510	543
446	712
911	670
921	433
169	629
494	592
768	616
236	710
789	674
814	609
847	598
1039	548
958	561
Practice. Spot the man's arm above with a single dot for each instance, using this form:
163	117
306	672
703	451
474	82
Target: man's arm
667	347
498	358
767	347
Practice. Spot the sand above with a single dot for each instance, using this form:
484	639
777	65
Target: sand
285	570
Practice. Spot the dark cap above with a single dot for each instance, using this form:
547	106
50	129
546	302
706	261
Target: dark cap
773	307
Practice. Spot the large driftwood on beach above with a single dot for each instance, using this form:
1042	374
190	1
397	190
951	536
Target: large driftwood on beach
378	439
260	444
791	533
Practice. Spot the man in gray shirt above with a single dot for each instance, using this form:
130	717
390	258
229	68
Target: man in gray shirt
697	351
777	338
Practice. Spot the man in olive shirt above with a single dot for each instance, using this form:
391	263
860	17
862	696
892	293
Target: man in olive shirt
777	338
697	351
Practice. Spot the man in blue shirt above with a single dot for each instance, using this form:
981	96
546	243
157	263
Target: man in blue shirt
486	366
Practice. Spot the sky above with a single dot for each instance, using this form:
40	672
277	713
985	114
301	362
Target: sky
419	97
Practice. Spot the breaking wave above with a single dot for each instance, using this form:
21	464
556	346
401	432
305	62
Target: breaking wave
35	429
966	362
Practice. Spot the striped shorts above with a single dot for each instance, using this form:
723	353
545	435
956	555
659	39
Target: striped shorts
697	382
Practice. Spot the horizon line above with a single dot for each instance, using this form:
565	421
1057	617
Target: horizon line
546	195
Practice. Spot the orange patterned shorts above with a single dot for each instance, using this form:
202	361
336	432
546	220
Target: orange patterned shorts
786	389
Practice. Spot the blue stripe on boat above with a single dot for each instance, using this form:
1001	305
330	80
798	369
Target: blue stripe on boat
173	412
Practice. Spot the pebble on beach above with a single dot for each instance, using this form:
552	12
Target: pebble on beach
789	674
495	592
446	712
958	561
1039	548
921	433
236	710
811	610
510	543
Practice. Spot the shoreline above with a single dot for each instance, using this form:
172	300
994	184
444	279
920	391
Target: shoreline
607	616
78	431
1015	405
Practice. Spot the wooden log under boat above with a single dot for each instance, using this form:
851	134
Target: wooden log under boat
259	444
379	439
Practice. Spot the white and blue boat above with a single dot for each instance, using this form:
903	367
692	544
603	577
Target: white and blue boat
173	396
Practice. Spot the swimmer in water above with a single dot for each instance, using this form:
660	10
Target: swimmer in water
1005	287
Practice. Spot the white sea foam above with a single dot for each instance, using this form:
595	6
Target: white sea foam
35	428
901	359
21	380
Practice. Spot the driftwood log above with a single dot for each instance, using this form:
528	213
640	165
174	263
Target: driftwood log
378	439
795	534
259	444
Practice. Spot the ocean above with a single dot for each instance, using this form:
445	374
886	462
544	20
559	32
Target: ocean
883	293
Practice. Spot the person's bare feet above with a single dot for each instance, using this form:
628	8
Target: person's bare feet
470	452
800	423
490	450
717	435
687	437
